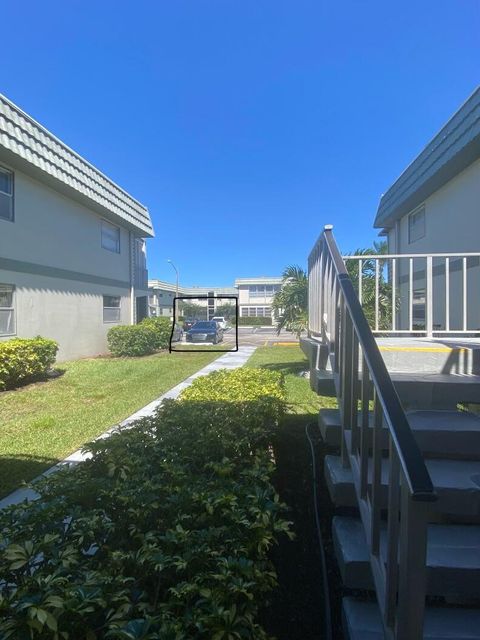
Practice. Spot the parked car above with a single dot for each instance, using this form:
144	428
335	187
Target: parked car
221	321
205	331
177	334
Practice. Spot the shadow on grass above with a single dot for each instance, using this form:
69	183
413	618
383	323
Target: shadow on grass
15	471
296	609
287	368
47	377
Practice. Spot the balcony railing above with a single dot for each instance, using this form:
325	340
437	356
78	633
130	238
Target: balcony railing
418	293
394	517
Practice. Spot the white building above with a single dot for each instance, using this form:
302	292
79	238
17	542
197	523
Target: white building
72	248
255	296
162	294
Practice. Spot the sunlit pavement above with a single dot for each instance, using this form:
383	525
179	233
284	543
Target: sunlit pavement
247	337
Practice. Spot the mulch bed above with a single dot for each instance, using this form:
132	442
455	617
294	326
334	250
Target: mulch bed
296	608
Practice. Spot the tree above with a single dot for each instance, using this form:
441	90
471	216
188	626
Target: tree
290	304
368	285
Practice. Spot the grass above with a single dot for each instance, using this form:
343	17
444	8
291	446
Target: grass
44	422
291	362
295	611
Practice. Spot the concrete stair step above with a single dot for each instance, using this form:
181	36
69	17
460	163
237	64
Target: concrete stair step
453	557
416	390
361	621
457	483
444	434
430	355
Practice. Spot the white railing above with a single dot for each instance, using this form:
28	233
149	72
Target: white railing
417	293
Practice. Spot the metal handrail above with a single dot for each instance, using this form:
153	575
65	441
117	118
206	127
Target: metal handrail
413	465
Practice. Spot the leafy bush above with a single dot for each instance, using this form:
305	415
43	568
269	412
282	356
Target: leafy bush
244	385
132	340
255	322
164	533
23	359
163	330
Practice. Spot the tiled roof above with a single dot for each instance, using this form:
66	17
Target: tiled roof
455	147
24	137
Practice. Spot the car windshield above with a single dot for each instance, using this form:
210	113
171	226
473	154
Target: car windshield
204	325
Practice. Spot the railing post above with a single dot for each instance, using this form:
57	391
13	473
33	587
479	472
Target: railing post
429	298
412	573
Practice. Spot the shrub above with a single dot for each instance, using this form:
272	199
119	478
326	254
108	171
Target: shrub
163	330
23	359
132	340
164	533
255	322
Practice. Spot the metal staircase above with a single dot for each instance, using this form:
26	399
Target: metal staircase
413	479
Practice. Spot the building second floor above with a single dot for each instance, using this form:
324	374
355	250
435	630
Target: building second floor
59	213
257	291
434	206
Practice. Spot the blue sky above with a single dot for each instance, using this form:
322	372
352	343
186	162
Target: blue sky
244	125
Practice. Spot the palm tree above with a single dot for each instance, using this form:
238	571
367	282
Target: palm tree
368	285
290	304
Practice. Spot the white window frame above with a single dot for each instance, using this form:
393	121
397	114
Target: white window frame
116	308
4	194
416	212
11	309
105	224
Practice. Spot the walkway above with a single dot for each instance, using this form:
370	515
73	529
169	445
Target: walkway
231	360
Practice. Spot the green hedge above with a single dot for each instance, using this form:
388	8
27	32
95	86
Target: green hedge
254	322
24	359
164	533
132	340
163	330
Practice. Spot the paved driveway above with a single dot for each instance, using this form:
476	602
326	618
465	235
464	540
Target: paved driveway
258	337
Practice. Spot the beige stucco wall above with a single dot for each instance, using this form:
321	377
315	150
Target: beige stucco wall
53	232
50	229
452	224
69	312
452	217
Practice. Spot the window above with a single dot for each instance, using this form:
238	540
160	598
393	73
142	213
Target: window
256	291
110	237
416	225
256	312
7	311
6	194
111	308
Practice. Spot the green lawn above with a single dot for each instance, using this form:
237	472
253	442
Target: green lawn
291	362
45	422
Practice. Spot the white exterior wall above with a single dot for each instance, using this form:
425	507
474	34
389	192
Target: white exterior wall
452	224
51	233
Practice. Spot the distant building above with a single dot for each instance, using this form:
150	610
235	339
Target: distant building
72	242
255	296
161	295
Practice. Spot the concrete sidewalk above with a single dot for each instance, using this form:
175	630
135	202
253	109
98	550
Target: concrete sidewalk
231	360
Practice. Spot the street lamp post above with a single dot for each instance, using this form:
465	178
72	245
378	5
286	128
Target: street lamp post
176	293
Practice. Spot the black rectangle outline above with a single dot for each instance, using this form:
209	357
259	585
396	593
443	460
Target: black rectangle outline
220	297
